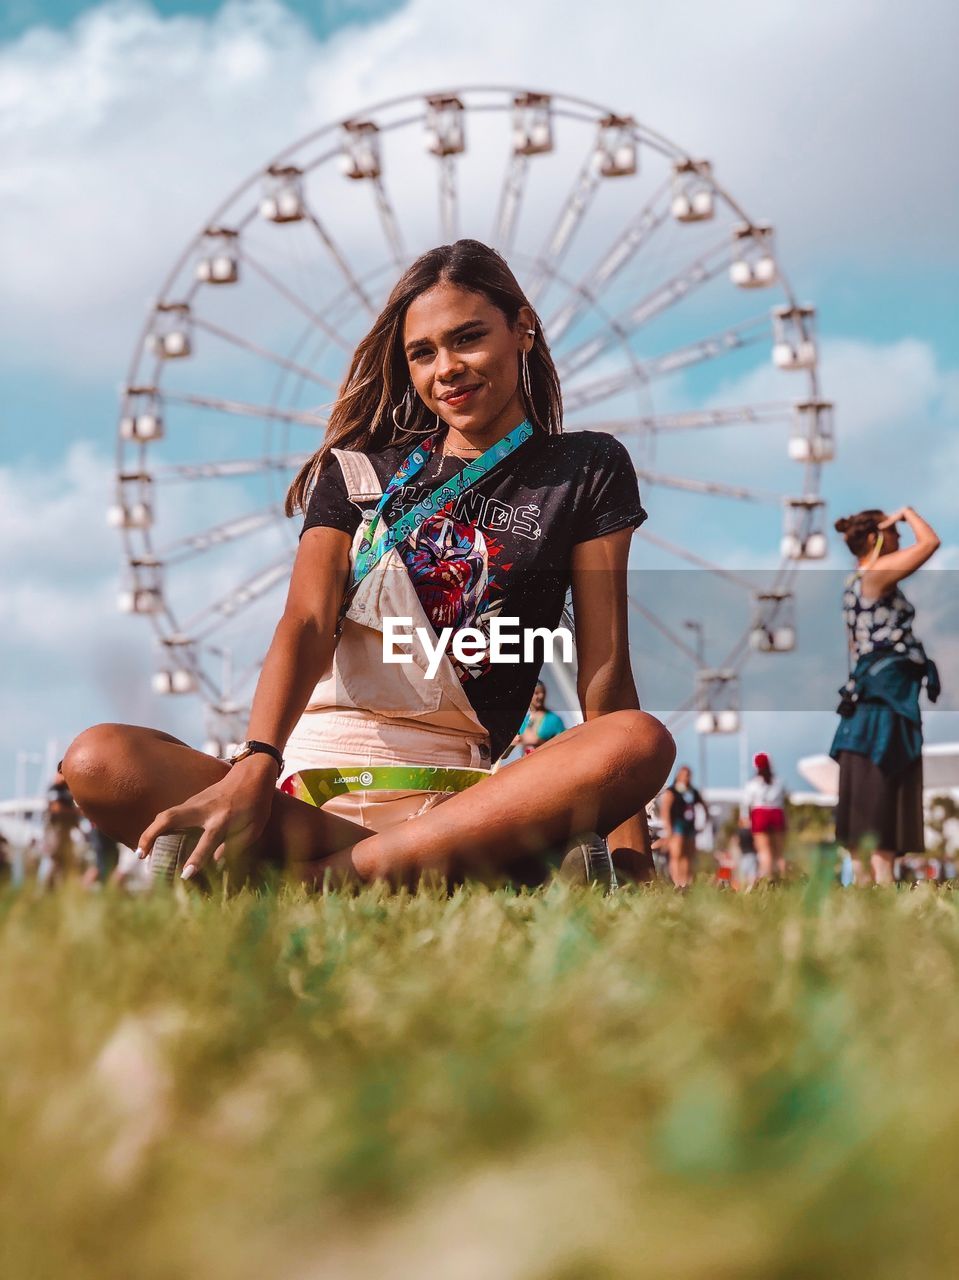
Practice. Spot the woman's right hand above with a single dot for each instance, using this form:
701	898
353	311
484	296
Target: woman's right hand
894	519
230	815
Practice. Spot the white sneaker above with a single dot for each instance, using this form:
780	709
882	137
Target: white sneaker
587	860
169	855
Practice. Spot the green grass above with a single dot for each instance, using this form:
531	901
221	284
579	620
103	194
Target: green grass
506	1087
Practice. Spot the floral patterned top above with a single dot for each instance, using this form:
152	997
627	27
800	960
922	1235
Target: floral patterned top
884	623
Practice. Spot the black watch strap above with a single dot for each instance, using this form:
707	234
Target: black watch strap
252	747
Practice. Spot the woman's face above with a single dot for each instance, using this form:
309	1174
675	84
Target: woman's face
538	700
683	778
464	357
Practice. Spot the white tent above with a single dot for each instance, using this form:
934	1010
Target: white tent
940	770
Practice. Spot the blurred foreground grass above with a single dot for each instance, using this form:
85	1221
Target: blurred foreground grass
486	1087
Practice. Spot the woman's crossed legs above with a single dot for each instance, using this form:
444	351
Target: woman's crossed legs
591	778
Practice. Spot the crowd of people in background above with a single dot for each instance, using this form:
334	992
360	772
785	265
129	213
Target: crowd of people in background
67	846
685	841
681	821
878	746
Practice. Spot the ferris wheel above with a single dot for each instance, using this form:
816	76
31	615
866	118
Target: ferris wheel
663	302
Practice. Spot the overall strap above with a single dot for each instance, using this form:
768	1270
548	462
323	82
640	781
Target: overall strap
362	483
374	546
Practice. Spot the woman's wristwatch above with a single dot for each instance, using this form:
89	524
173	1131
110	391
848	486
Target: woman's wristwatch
251	748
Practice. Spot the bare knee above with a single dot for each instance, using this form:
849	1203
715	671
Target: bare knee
95	757
644	748
88	750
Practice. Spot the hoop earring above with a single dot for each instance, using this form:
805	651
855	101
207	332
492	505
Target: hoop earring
403	411
402	414
524	374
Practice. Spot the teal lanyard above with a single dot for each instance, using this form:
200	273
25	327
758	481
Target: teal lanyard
371	550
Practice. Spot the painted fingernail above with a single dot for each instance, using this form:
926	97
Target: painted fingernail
188	872
141	853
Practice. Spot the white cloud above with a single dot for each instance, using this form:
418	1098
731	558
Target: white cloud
124	132
896	409
76	659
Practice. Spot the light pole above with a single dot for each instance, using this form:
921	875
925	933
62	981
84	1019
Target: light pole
24	758
692	625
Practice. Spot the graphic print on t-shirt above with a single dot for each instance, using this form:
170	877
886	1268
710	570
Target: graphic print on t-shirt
481	511
449	563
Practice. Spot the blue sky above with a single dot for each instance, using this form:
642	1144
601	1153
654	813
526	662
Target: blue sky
323	17
127	123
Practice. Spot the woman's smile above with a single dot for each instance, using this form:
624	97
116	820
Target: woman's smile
454	399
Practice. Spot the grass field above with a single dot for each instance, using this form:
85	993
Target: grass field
489	1086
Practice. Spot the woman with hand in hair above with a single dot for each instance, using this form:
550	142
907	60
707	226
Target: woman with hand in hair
878	743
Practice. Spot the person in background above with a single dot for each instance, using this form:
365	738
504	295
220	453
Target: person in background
539	724
747	869
106	853
660	856
765	798
57	847
878	742
678	813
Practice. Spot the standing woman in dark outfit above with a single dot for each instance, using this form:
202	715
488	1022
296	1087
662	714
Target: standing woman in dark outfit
878	743
678	814
445	495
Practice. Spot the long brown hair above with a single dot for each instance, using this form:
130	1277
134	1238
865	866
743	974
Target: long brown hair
857	529
378	378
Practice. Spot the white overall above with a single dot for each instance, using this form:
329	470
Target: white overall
364	712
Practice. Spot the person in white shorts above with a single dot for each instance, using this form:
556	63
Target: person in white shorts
444	502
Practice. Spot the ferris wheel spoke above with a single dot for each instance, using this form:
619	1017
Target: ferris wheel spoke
708	348
195	544
215	615
624	248
571	214
391	227
741	335
341	262
449	203
681	716
733	416
692	277
171	472
681	553
296	301
694	420
248	673
603	389
244	409
510	199
246	345
714	488
663	629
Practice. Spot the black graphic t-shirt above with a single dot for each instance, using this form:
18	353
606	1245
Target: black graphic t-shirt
504	550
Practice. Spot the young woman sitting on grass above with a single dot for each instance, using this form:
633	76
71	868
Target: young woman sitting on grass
447	495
